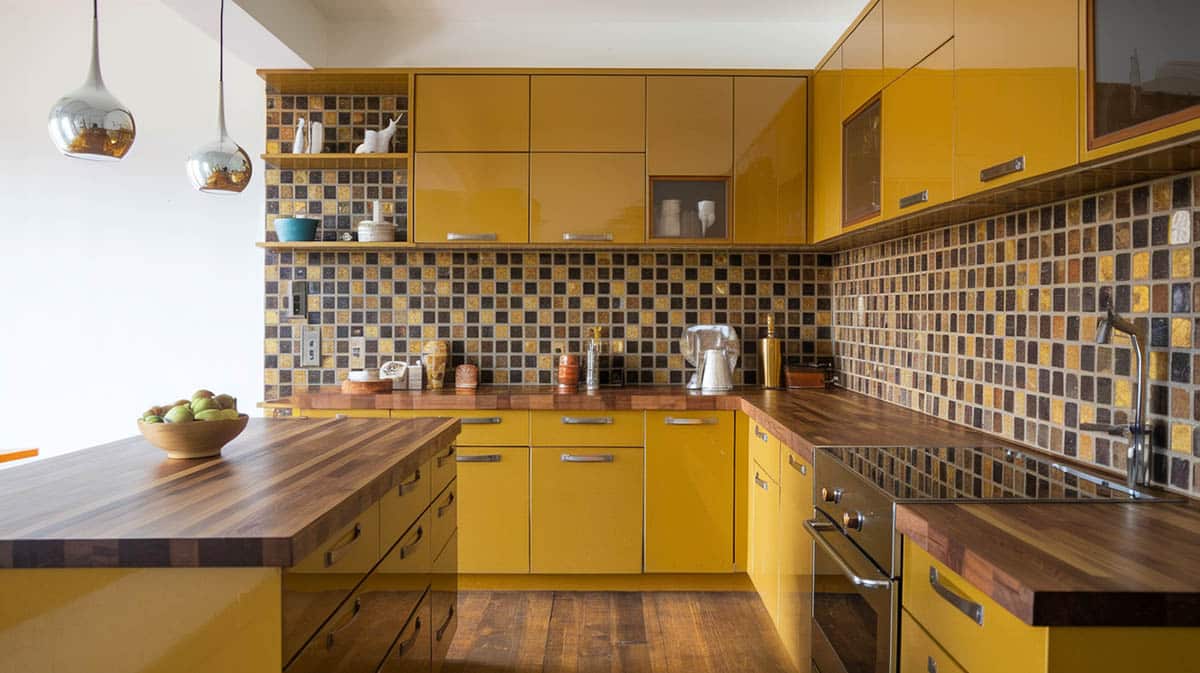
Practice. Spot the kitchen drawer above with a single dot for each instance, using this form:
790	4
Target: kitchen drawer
444	467
587	428
443	515
403	503
412	651
349	413
764	540
490	427
990	640
444	601
764	450
409	561
493	509
353	549
919	652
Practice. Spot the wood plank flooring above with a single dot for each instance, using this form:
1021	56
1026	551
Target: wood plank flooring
626	632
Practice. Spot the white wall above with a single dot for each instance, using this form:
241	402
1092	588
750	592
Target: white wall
121	286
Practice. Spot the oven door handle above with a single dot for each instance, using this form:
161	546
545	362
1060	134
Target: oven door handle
814	528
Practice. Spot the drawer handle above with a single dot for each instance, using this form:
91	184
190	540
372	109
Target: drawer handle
406	550
329	637
913	199
455	236
671	420
486	420
449	502
406	644
445	625
587	420
606	236
931	665
762	436
797	465
441	460
760	483
594	458
334	555
408	486
485	458
964	605
1000	170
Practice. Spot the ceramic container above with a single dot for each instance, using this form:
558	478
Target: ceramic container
435	354
296	228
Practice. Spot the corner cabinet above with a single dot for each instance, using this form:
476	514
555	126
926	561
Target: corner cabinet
770	117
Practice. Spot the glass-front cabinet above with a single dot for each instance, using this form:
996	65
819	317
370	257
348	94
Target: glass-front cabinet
862	159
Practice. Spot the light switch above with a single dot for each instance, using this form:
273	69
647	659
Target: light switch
358	351
299	299
310	345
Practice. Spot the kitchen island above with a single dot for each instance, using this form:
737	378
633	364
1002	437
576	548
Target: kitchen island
115	558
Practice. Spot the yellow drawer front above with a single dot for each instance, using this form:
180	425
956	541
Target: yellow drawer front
411	651
586	510
491	428
1000	644
444	515
353	549
764	450
795	556
348	413
587	113
411	558
444	600
444	468
587	428
689	491
493	509
764	540
919	652
471	113
403	503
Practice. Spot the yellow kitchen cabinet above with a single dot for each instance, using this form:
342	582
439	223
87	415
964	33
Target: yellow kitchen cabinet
862	61
764	539
481	427
918	130
764	450
443	598
493	509
1015	91
770	185
689	125
795	556
912	29
689	491
587	113
587	197
586	510
471	197
471	113
826	171
587	428
353	549
919	652
403	504
348	413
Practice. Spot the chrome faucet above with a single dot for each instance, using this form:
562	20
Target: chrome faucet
1138	432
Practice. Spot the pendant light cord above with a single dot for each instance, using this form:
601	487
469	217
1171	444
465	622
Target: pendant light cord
221	66
95	9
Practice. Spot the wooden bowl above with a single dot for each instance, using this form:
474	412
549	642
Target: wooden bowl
195	439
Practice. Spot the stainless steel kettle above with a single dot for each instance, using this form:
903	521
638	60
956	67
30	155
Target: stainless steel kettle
714	374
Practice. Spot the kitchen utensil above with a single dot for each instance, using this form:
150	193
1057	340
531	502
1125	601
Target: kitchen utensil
434	353
374	387
698	338
396	372
296	228
668	224
715	375
707	212
195	439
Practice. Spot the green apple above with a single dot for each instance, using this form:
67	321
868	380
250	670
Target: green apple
152	418
179	414
210	415
202	393
177	403
230	414
226	401
203	404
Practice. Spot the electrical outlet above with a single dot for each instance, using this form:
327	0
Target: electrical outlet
310	345
358	351
1181	227
299	299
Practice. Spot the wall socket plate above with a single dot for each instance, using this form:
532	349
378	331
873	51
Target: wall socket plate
298	293
358	351
310	345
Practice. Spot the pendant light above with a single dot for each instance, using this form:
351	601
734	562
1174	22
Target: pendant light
90	123
221	166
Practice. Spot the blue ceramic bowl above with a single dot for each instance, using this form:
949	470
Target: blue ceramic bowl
296	228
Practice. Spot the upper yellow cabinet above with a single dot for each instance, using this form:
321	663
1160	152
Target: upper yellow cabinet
471	197
689	125
918	128
1015	90
770	153
587	197
471	113
912	29
862	62
587	113
827	149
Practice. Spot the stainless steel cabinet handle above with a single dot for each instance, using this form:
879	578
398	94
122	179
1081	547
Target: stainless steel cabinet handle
407	549
329	637
762	436
334	555
411	640
1000	170
587	420
453	236
446	624
594	458
931	665
671	420
913	199
488	420
797	465
964	605
484	458
761	484
408	486
442	460
812	527
449	502
606	236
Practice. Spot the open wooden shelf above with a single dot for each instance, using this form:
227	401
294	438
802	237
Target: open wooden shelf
340	160
333	246
335	81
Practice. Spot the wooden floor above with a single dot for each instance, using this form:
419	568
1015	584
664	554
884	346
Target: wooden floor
659	632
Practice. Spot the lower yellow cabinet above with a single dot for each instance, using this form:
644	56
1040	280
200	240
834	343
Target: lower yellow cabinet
411	652
689	491
443	591
764	538
586	510
795	556
493	509
919	652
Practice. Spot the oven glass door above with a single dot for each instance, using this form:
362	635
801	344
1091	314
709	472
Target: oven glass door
854	606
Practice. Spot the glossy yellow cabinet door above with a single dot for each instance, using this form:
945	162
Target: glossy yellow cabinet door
862	61
471	113
919	652
348	413
689	125
587	197
689	491
912	29
827	149
587	113
587	510
493	509
1015	91
795	556
764	451
764	539
471	197
770	187
918	130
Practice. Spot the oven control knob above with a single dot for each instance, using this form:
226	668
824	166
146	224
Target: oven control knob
853	520
831	495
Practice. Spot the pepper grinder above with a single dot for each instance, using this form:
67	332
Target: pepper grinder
770	355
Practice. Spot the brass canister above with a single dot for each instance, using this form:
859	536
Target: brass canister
770	357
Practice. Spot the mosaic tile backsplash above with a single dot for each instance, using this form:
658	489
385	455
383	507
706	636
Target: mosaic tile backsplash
992	323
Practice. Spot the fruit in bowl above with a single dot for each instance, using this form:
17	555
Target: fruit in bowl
195	428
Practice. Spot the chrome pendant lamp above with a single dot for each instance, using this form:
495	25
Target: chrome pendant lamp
221	166
90	123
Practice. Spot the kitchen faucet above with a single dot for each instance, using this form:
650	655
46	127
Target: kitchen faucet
1138	432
